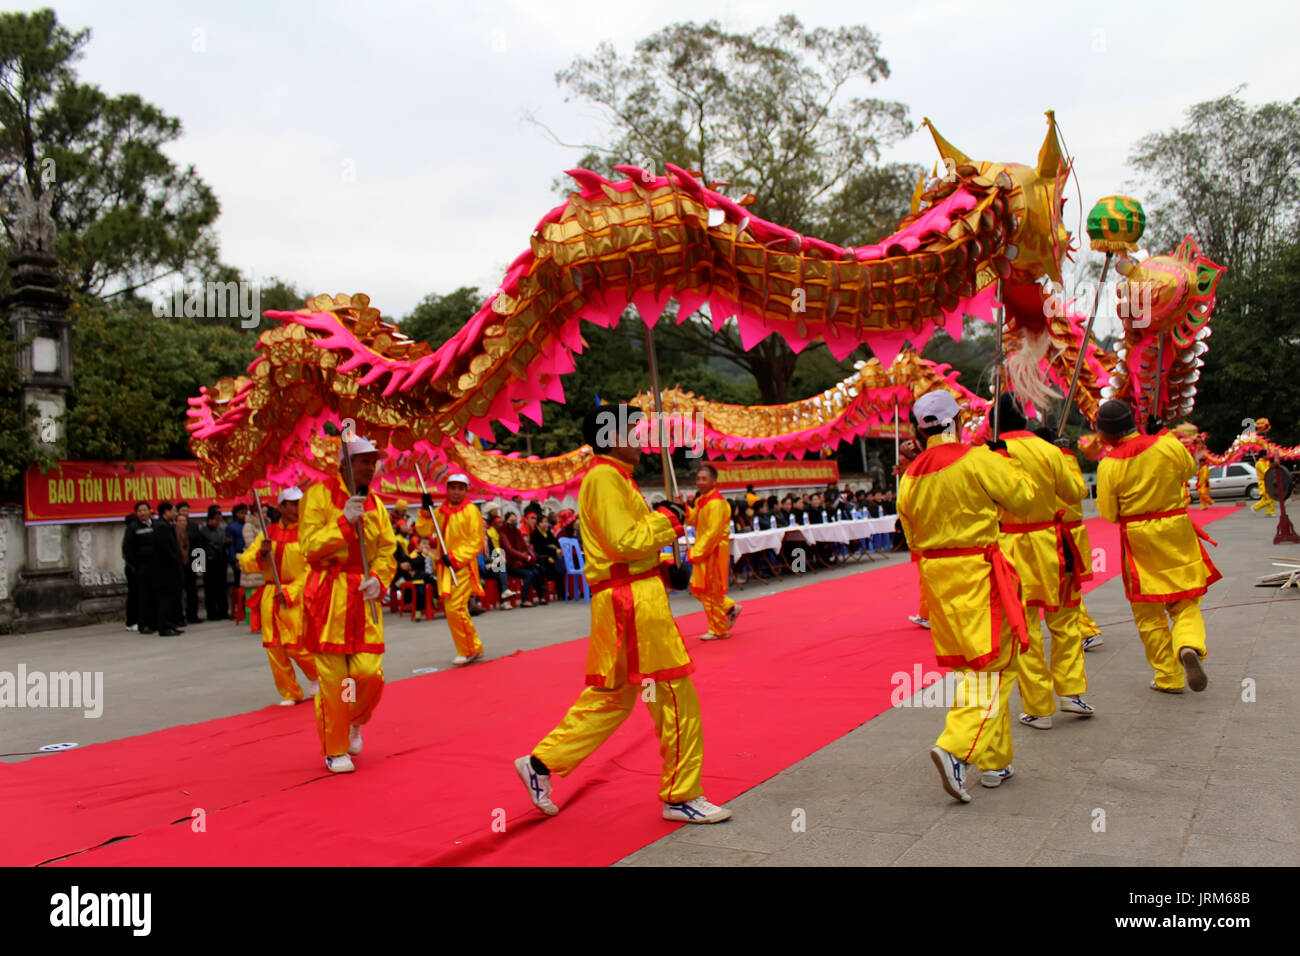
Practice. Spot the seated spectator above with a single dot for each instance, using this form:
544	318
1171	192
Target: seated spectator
762	520
496	562
521	559
549	559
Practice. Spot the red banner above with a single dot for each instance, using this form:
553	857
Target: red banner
770	473
86	491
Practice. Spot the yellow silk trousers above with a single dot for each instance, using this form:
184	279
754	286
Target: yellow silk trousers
282	659
338	707
1066	675
1087	626
1265	503
709	580
455	604
1163	642
598	712
978	727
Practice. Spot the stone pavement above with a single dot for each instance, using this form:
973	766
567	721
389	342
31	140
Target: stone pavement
1153	779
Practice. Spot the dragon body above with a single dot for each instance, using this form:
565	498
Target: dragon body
981	240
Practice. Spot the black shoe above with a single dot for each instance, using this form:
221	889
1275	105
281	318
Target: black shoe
146	630
169	632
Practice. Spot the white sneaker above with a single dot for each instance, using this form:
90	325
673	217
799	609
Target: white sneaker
698	810
507	594
287	702
1195	673
133	627
1038	723
714	637
1077	705
311	690
354	740
994	778
1166	690
1092	643
919	621
734	613
341	764
952	773
538	784
460	660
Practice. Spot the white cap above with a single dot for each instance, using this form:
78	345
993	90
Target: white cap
459	476
289	494
359	446
936	408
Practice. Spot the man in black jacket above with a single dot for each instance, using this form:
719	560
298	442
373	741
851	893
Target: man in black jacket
168	572
212	536
137	555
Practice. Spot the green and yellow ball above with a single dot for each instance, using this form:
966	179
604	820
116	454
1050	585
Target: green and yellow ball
1116	224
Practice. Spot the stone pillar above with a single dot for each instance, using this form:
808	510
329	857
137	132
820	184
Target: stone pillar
47	593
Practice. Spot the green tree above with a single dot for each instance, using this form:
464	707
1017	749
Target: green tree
126	215
1230	177
134	374
773	113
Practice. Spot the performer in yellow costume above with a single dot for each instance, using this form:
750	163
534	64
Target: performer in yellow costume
1081	571
1037	543
279	615
1203	484
949	502
635	649
1266	503
343	621
710	555
1142	485
461	524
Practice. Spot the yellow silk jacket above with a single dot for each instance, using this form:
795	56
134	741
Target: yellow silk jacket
1142	485
336	619
462	528
279	621
710	555
621	541
949	502
1033	537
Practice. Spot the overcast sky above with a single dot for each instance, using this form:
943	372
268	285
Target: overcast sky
381	147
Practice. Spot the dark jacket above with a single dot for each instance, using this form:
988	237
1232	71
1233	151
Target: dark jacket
138	544
212	541
167	562
519	553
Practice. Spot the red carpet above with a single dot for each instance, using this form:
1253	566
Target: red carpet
435	784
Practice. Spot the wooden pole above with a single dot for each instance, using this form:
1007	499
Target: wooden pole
1083	349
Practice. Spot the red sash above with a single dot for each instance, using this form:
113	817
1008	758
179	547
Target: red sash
1005	596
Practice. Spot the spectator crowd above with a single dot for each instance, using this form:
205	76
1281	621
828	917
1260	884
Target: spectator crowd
170	552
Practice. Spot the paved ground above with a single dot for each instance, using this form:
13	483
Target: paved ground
1198	779
219	669
1153	779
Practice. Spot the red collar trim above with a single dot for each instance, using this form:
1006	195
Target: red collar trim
1130	446
1022	434
448	509
282	534
624	470
713	495
936	459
